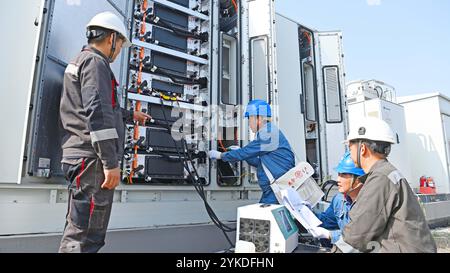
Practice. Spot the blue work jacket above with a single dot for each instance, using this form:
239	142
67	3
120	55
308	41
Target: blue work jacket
270	148
336	217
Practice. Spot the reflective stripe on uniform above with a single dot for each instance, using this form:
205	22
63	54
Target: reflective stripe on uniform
72	69
344	247
395	177
104	135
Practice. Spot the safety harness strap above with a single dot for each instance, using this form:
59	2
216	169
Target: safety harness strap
268	173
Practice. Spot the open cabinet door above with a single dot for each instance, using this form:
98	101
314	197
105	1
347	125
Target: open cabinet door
21	27
290	93
258	62
261	42
330	71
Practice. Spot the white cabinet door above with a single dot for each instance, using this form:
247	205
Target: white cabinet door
331	96
261	39
446	123
291	119
20	23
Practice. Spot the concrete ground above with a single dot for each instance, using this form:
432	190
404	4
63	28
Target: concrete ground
177	239
182	239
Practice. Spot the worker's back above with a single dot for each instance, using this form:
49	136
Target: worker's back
387	216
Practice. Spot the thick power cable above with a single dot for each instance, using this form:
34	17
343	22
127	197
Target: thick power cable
197	185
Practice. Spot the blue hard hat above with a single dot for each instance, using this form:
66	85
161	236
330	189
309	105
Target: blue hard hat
346	165
258	108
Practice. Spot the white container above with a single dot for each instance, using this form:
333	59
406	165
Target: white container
394	115
428	127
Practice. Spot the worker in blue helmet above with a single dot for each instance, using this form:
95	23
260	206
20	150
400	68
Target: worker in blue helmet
270	152
336	216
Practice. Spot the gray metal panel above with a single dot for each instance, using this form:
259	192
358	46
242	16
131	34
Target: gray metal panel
172	16
67	33
184	3
168	62
121	5
48	131
16	77
65	39
168	38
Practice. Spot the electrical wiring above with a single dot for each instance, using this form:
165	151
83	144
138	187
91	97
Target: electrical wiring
150	68
177	30
235	5
332	184
198	185
221	145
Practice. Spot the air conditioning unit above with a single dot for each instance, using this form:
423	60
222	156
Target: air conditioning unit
270	228
359	91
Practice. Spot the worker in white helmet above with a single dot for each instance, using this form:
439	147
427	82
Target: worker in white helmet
386	215
93	139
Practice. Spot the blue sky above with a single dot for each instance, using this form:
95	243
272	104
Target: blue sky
405	43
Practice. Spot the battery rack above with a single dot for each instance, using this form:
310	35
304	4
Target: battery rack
168	78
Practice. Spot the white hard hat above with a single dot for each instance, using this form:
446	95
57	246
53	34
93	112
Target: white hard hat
371	128
109	20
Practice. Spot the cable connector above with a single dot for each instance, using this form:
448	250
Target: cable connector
204	37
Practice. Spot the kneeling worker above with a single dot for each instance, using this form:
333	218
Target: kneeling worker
270	152
336	216
386	215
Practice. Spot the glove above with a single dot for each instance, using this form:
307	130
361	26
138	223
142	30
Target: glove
307	204
214	155
320	233
233	148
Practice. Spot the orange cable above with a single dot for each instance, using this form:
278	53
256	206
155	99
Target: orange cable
234	4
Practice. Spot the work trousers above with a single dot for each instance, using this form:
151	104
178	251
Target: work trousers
89	207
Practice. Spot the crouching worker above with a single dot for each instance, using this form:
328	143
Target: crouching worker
270	152
336	216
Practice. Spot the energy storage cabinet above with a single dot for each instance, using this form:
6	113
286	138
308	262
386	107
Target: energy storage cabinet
168	78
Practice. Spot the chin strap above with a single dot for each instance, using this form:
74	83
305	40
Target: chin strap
113	48
351	185
359	155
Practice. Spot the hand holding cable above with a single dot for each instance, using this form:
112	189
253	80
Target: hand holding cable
141	117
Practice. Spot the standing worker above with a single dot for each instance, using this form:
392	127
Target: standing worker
94	127
270	152
336	217
386	215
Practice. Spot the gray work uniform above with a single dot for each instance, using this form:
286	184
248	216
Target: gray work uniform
94	129
386	216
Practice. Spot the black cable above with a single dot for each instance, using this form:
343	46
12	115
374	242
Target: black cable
150	68
224	228
179	31
329	182
195	170
197	185
172	77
